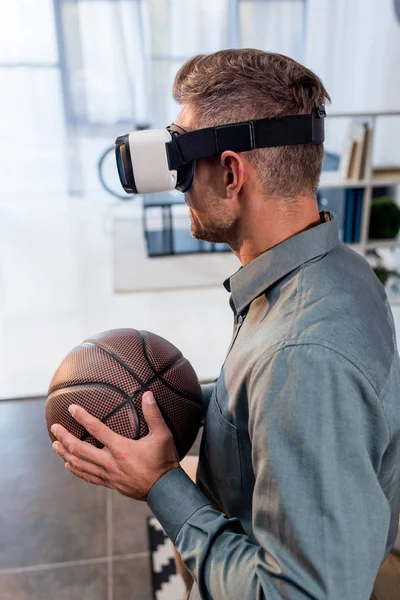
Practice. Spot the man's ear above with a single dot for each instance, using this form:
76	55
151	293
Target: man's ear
234	172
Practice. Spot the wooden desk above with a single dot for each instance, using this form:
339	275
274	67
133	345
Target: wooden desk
387	583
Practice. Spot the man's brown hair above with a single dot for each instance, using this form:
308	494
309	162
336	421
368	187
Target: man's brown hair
238	85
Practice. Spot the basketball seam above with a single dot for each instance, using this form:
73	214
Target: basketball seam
85	435
128	400
113	412
157	374
160	373
177	360
118	360
89	383
143	389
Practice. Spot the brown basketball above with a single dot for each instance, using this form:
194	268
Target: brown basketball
107	375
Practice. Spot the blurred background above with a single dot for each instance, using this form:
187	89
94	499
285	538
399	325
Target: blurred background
78	256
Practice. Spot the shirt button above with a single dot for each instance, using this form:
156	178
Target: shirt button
240	319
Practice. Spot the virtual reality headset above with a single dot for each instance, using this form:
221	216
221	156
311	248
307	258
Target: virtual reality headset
156	160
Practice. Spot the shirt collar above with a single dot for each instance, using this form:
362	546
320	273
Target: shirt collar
253	279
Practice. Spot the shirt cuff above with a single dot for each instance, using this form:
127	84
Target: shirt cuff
174	498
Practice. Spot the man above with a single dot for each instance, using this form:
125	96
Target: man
298	483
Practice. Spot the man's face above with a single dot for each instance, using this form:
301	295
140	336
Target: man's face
210	212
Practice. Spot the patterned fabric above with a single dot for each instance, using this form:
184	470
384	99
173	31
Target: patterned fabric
167	584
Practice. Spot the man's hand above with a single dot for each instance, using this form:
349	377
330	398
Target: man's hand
129	466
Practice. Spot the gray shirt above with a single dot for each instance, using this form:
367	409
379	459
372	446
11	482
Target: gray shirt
298	486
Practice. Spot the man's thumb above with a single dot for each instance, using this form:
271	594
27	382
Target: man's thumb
152	413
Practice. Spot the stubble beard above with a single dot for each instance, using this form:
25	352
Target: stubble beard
219	233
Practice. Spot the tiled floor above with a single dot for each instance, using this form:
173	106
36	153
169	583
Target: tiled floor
60	537
63	583
64	539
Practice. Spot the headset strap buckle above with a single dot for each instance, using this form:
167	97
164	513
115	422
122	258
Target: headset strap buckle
239	136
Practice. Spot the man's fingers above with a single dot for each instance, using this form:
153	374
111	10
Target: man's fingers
94	426
78	447
77	463
88	478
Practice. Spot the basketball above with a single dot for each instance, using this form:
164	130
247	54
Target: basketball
107	375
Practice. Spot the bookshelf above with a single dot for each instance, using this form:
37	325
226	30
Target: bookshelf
334	180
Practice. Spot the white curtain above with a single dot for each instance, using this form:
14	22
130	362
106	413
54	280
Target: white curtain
32	131
115	58
116	67
132	49
354	46
27	32
274	26
181	29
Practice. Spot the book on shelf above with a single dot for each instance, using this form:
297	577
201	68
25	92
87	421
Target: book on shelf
353	162
390	172
352	215
364	157
358	215
346	204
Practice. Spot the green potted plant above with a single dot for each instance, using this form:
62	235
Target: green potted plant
383	273
385	219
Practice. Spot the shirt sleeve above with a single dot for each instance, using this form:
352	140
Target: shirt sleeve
319	516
